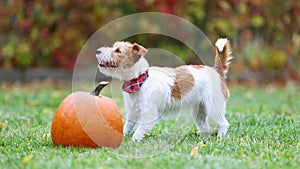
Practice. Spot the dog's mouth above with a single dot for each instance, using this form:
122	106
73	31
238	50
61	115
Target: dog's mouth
108	64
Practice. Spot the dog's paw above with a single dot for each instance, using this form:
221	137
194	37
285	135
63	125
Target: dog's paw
126	133
137	138
205	128
222	132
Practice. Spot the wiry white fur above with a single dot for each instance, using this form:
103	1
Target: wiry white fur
220	44
145	107
154	98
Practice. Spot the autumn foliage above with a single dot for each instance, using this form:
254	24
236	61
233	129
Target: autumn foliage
265	34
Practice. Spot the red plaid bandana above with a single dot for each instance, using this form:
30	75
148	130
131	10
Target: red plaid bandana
133	85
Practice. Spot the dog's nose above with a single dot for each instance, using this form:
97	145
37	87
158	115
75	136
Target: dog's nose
98	52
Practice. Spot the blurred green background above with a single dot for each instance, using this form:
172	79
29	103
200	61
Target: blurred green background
265	35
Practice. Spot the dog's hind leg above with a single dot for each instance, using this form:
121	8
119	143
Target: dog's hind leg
222	122
218	116
202	110
201	118
222	127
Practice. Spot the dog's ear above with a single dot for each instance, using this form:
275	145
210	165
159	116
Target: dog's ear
139	50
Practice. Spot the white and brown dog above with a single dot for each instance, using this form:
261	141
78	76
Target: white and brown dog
150	91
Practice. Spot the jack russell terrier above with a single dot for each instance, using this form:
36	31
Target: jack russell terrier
150	91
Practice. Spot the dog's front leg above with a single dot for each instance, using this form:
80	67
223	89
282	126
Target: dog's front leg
130	121
146	123
132	113
142	129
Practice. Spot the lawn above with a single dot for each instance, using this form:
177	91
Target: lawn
264	133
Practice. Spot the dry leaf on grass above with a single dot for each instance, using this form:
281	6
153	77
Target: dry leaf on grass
26	159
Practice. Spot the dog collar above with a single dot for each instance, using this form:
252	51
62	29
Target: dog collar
133	85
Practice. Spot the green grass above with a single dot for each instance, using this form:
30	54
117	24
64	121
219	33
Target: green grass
264	133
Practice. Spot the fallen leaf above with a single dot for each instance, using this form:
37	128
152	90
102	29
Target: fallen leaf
48	111
32	102
2	124
46	135
27	158
279	154
202	145
194	151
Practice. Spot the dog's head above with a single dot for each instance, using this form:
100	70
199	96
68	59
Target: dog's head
122	55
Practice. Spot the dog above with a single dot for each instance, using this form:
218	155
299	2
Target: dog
148	92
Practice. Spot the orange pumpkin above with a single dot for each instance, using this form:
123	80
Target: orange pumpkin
87	119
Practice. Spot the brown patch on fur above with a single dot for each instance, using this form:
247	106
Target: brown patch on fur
224	87
184	81
130	60
197	66
127	54
223	81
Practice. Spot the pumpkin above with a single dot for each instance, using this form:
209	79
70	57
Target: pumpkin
87	119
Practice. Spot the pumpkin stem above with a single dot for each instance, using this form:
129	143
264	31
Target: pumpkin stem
99	87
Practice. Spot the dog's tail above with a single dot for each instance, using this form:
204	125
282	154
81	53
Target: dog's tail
223	56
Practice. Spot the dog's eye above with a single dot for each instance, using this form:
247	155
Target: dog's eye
118	50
